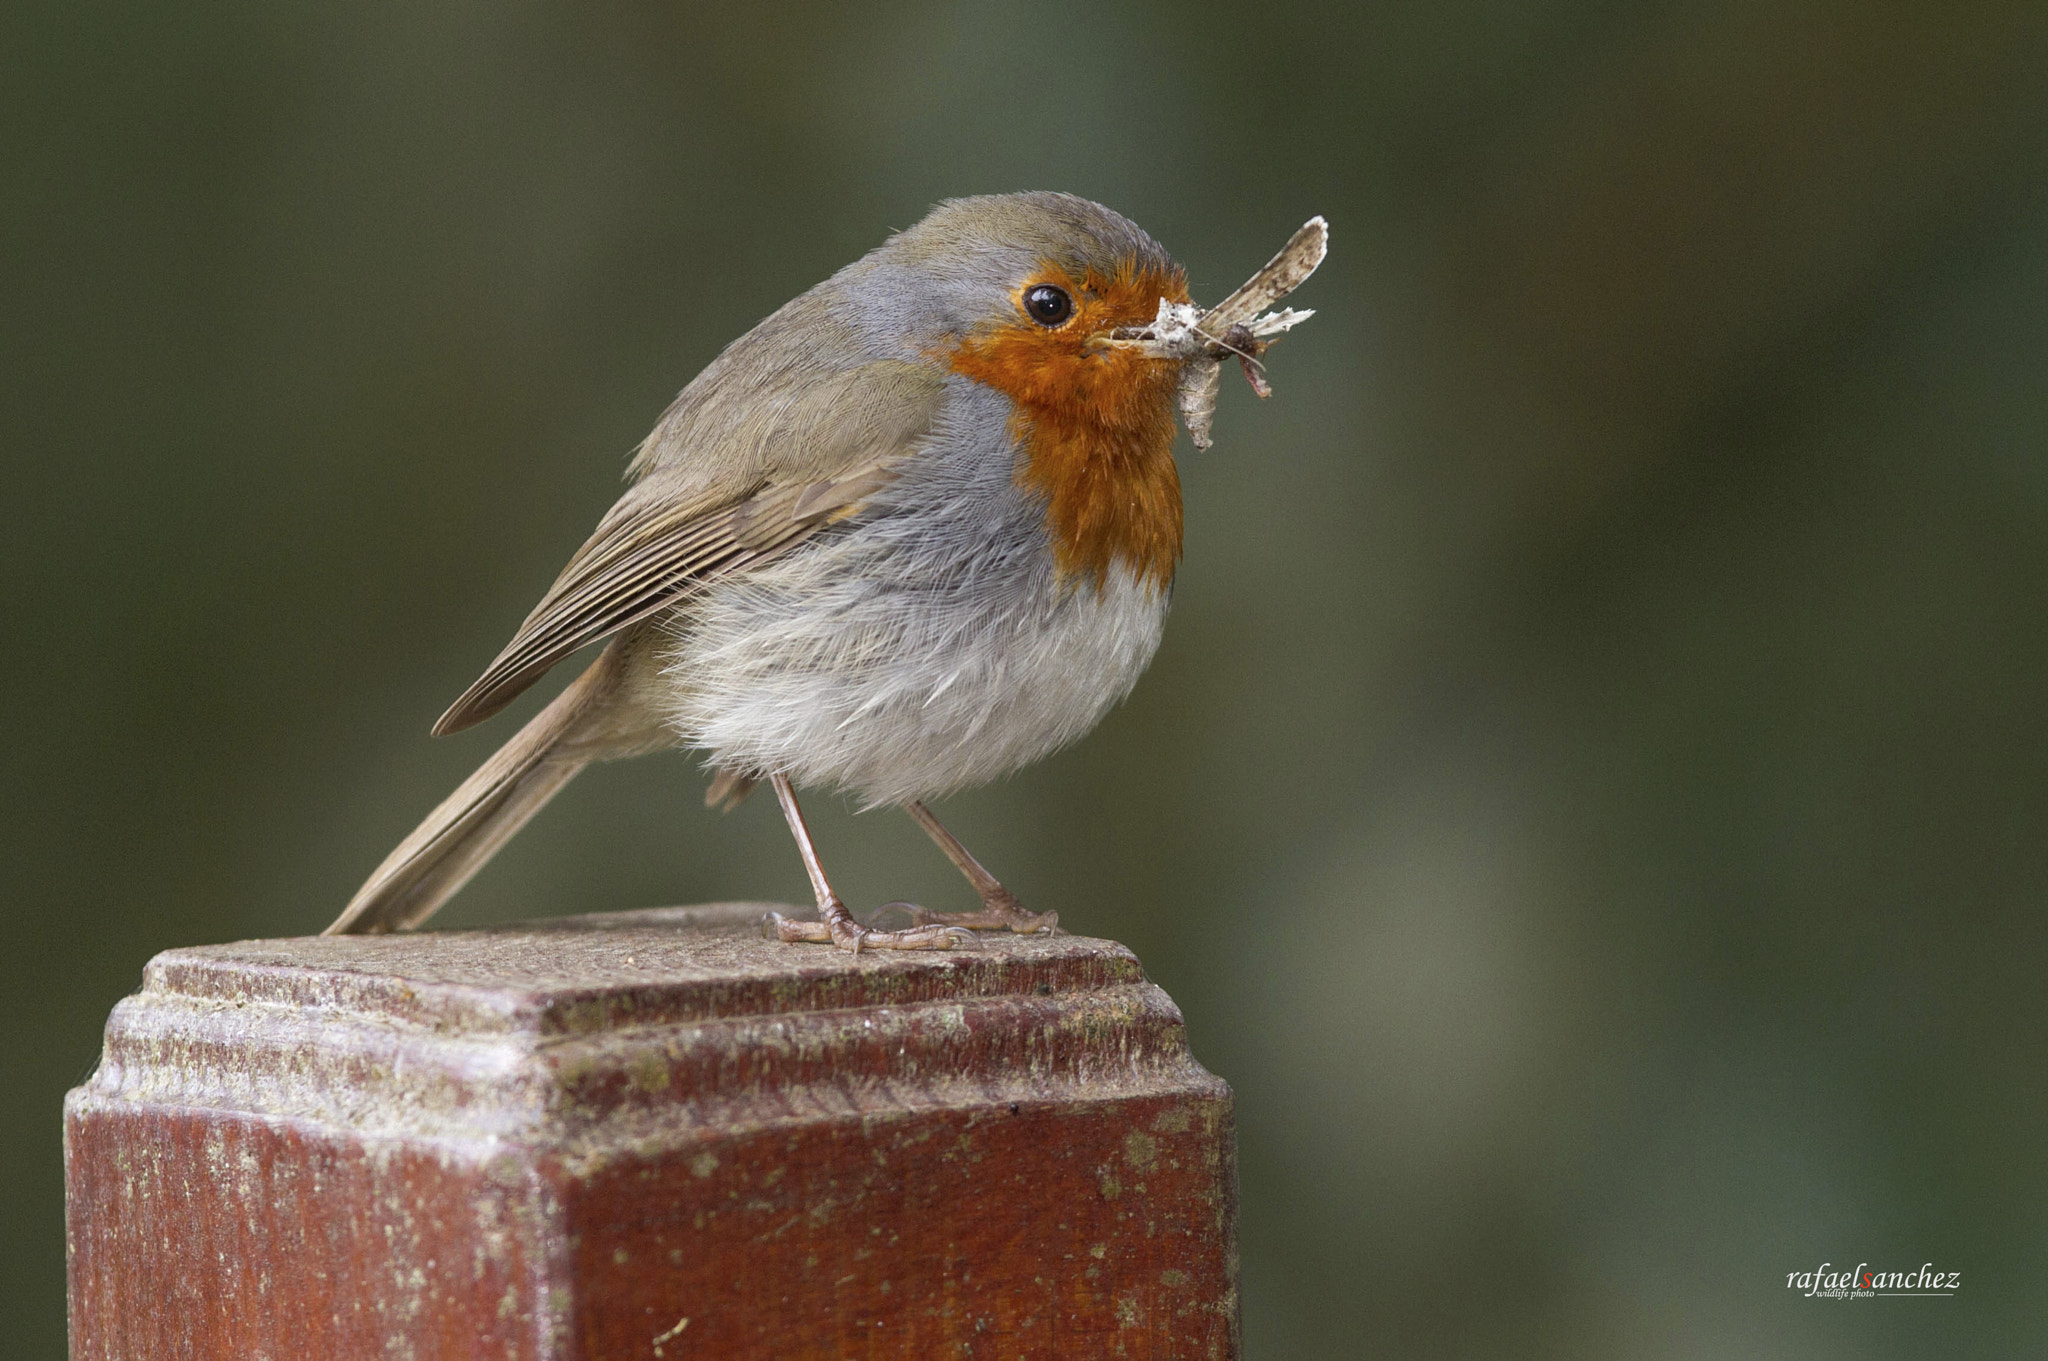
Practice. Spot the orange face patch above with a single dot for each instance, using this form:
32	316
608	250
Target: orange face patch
1096	424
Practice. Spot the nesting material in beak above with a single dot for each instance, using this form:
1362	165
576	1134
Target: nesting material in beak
1201	340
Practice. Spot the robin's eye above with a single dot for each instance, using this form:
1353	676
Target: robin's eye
1047	305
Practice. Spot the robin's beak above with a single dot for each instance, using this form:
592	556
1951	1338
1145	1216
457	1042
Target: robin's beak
1131	340
1102	342
1167	338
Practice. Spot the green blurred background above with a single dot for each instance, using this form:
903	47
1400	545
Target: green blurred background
1591	799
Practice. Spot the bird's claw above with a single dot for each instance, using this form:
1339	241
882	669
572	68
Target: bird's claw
851	936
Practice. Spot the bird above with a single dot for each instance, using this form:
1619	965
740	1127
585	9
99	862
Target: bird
915	530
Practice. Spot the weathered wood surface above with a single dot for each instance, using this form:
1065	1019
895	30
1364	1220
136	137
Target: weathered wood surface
648	1134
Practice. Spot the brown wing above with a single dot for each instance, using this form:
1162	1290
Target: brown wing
663	538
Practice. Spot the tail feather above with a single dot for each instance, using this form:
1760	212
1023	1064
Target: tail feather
485	810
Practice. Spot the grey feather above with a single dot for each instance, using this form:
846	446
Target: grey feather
656	545
923	646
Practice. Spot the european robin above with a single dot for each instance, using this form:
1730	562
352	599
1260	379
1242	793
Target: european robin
916	529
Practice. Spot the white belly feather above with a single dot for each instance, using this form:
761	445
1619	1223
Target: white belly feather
835	681
924	647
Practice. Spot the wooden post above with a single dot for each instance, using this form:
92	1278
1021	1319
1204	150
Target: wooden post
648	1134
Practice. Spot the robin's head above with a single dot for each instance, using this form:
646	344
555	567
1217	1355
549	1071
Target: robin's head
1018	292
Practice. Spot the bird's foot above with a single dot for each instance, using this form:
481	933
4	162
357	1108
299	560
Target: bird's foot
1000	911
839	928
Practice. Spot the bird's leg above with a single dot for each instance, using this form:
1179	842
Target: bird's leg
1000	910
838	927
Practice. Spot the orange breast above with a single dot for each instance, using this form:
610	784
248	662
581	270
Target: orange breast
1096	426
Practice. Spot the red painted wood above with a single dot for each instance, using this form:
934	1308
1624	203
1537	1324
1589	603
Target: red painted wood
562	1140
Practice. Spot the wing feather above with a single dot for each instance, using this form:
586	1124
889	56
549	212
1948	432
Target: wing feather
654	546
